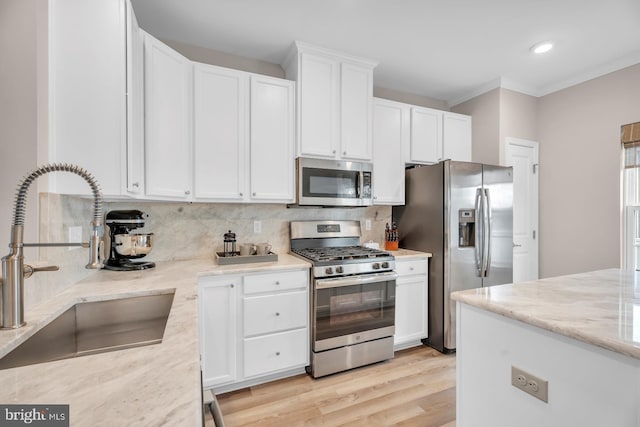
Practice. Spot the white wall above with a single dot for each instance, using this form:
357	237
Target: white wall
580	173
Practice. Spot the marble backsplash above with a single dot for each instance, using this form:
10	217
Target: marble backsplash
181	231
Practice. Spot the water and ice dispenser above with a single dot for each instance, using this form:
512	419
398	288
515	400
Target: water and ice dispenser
466	228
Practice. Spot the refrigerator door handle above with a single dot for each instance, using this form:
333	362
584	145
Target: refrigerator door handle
486	233
479	244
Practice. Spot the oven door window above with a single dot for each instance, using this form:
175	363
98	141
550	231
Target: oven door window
356	308
329	183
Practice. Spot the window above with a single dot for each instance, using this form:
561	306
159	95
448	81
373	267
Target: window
630	136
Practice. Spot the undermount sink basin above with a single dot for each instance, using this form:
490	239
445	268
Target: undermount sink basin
95	327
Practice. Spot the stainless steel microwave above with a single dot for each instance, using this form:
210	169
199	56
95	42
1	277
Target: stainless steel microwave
333	182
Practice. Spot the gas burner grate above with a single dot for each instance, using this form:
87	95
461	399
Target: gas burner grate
340	253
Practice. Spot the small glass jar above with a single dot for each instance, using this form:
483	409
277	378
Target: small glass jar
229	244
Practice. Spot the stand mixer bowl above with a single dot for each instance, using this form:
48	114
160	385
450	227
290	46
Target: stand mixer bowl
134	244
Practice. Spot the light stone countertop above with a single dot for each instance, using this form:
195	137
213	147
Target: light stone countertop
408	253
601	308
145	386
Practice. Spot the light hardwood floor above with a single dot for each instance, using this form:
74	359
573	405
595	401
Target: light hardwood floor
416	388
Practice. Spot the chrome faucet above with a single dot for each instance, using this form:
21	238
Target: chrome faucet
14	271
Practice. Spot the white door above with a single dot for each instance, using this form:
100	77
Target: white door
272	139
523	156
456	137
390	130
356	92
426	136
220	128
167	121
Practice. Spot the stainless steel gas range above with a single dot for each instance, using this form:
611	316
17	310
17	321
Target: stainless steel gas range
352	297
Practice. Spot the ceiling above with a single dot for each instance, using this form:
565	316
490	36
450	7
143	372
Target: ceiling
449	50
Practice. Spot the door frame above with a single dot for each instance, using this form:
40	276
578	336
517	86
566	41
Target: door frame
535	196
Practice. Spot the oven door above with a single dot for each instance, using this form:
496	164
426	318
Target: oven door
354	309
333	183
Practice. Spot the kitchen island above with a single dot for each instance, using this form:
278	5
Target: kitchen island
580	333
153	385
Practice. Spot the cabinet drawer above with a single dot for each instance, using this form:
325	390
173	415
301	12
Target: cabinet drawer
273	313
276	281
274	352
409	267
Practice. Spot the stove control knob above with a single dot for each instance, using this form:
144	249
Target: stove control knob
339	270
328	270
385	264
376	266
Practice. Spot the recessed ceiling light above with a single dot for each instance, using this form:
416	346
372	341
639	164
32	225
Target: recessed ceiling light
542	47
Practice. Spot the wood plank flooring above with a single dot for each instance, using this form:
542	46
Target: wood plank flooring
416	388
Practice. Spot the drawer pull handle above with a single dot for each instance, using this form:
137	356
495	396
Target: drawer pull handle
231	285
410	268
277	353
277	282
277	314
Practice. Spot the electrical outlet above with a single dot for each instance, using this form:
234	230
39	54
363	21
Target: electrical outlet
367	224
75	236
257	227
529	383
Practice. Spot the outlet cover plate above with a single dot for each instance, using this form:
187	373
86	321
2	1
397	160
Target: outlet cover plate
529	383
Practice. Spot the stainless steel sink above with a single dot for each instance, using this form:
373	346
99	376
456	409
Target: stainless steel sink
95	327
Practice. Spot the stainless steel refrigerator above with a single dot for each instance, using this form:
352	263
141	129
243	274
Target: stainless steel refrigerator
462	213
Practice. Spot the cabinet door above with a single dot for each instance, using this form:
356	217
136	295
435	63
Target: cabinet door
218	332
426	136
411	309
135	105
356	95
456	137
390	129
318	110
167	121
272	139
220	132
87	93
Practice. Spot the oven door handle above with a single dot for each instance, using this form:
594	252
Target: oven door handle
355	280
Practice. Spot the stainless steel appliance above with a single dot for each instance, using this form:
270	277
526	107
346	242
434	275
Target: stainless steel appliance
125	244
333	182
462	213
352	304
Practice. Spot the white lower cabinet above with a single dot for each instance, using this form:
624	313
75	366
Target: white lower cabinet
411	302
253	327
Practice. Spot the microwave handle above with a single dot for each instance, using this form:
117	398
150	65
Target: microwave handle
359	184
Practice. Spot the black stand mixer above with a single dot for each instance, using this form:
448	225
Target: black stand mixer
125	245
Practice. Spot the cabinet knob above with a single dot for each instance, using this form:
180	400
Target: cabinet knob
277	282
240	194
135	184
277	353
334	151
410	268
344	153
254	194
232	285
187	192
277	314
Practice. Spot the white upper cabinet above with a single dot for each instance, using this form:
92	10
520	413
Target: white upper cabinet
167	121
272	169
438	135
426	136
243	136
456	140
87	93
335	95
135	105
220	132
356	96
390	135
